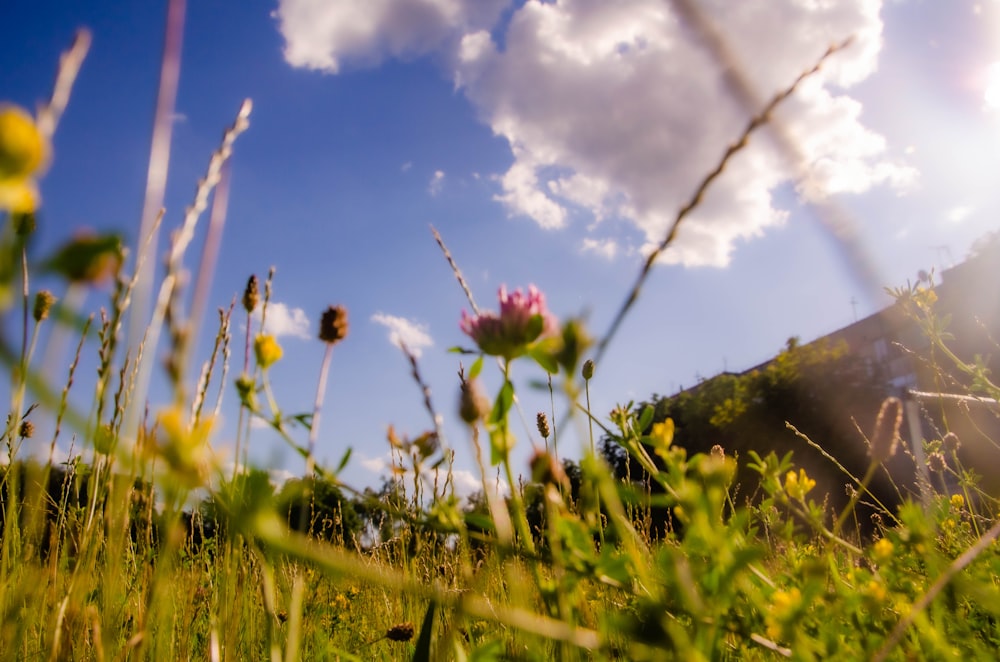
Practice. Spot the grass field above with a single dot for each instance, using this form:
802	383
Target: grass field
147	545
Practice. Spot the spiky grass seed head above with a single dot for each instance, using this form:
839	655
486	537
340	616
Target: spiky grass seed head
885	438
333	325
543	425
43	304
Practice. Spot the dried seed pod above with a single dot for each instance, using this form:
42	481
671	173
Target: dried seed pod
333	325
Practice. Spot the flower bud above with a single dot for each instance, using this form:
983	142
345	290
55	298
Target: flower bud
473	405
588	369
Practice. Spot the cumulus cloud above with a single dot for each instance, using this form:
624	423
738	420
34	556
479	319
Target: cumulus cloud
284	321
320	34
614	109
403	331
437	183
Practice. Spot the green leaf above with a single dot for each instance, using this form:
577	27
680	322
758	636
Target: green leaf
543	357
423	651
646	417
344	460
461	350
476	368
501	406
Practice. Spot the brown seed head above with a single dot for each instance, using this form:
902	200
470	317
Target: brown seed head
400	632
718	452
950	442
43	304
251	295
887	425
543	425
333	325
936	462
27	429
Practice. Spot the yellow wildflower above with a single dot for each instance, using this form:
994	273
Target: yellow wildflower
661	436
957	501
267	350
23	153
184	446
798	485
882	549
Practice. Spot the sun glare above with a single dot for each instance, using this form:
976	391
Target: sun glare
991	95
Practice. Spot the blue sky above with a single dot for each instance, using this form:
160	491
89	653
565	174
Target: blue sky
550	143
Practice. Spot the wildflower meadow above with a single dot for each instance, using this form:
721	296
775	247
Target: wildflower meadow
148	543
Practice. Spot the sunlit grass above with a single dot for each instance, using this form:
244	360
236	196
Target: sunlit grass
147	544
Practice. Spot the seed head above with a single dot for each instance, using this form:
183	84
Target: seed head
950	442
543	425
588	369
400	632
251	295
43	304
887	425
936	461
333	325
27	429
472	404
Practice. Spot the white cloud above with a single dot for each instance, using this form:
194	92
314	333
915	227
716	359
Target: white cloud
606	248
612	109
320	34
403	331
437	183
406	166
284	321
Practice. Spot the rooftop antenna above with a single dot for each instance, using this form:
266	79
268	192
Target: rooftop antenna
854	307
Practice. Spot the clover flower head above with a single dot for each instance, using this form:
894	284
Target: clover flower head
523	319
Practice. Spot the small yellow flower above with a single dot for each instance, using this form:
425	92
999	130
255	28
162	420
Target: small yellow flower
798	485
957	501
267	350
185	446
876	590
883	549
23	153
661	436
